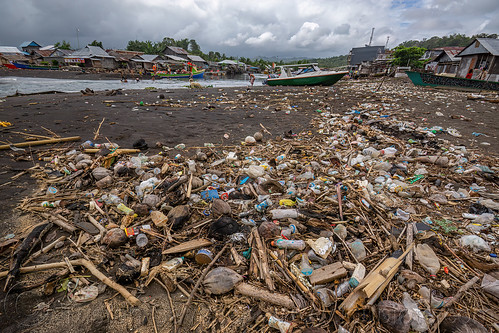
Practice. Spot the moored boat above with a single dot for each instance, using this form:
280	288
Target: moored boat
307	75
196	74
29	66
432	80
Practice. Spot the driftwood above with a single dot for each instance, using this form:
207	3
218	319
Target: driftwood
22	252
88	265
264	295
40	142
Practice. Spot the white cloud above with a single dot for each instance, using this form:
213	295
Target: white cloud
264	38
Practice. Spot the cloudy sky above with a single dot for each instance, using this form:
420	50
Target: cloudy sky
247	28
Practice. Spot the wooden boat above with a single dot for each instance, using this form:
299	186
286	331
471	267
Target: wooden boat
307	75
196	74
432	80
28	66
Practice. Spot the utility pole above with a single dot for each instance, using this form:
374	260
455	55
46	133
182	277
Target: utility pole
387	39
78	37
371	39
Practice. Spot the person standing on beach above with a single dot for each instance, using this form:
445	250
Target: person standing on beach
252	78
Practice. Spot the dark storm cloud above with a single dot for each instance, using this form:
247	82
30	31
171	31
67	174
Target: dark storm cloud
245	28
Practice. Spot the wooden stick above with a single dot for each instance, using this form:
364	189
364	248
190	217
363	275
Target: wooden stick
189	187
261	294
263	259
117	151
40	142
64	226
461	291
97	135
45	249
300	285
201	278
102	230
88	265
409	240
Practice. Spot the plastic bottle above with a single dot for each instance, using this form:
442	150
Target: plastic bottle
325	296
289	244
262	206
111	199
172	264
342	289
287	232
281	325
428	259
125	209
141	240
305	267
436	302
357	275
278	214
388	152
51	204
282	166
358	249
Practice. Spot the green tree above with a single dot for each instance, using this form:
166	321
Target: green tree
96	43
194	47
63	45
408	56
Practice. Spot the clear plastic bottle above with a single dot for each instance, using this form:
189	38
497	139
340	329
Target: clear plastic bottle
278	214
172	264
342	289
289	244
281	325
287	232
325	296
305	267
141	240
427	258
436	302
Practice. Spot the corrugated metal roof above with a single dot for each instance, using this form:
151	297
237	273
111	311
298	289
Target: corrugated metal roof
492	45
175	58
150	57
196	58
14	56
30	43
178	50
90	51
9	49
489	45
48	47
44	53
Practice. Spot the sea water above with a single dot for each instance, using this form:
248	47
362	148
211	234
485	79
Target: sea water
26	85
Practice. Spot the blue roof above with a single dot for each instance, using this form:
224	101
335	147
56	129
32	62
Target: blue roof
30	43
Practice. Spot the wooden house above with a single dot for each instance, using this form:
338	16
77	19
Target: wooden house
91	56
480	60
176	51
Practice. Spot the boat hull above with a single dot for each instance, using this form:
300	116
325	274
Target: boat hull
431	80
195	75
25	66
309	80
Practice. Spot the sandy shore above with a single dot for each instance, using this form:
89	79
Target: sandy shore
219	116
